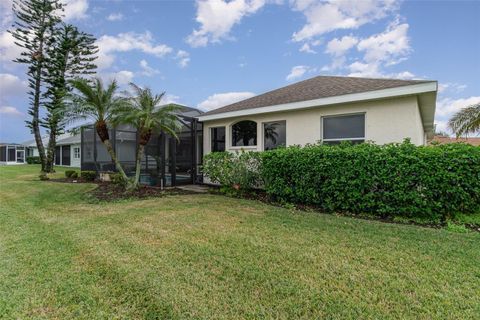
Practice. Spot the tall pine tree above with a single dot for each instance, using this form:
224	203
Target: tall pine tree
34	25
71	54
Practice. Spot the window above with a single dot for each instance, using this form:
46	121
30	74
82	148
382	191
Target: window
244	133
343	128
218	139
274	134
76	153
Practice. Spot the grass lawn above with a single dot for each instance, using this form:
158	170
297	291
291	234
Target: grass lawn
212	257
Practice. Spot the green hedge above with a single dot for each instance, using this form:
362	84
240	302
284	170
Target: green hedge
33	160
432	182
88	175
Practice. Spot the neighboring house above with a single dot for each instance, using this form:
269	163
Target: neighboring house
67	151
12	153
326	109
444	139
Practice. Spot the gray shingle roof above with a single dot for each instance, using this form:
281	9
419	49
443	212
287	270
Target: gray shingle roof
314	88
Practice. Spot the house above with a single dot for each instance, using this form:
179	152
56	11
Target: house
327	109
67	150
12	153
444	139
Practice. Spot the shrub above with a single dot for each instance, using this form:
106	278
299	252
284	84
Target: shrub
116	178
239	170
432	182
74	175
88	175
33	160
68	173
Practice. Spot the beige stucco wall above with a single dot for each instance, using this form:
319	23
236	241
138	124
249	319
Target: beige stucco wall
387	120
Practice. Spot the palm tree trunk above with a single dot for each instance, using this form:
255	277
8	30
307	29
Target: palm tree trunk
138	165
111	152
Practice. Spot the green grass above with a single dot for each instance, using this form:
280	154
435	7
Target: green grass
212	257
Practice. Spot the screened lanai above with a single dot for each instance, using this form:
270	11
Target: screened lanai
167	161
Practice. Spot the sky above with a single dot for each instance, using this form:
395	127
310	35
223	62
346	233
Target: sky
209	53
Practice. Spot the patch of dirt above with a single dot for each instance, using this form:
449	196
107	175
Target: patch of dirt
111	192
69	180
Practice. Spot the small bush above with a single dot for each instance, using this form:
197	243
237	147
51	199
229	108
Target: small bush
240	170
33	160
116	178
68	173
88	175
74	175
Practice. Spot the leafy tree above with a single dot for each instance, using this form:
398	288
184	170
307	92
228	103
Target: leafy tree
71	54
145	112
466	120
34	26
99	104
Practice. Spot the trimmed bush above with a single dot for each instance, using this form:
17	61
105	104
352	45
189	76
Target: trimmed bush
432	182
68	173
33	160
74	175
116	178
88	175
239	170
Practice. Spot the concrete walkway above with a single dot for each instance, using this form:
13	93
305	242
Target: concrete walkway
194	188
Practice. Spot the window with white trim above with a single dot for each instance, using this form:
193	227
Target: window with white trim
349	127
76	153
217	136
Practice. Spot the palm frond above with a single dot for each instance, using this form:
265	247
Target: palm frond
466	121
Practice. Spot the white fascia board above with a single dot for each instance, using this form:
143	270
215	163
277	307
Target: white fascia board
353	97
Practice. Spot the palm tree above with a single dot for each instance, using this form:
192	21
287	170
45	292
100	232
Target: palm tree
148	116
99	104
466	120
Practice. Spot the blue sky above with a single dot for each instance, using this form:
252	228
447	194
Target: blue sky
210	53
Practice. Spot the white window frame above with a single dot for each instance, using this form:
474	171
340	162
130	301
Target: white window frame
344	115
75	154
231	136
263	131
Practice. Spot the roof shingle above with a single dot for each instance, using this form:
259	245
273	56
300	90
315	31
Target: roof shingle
314	88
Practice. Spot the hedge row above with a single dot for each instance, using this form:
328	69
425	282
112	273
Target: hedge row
431	182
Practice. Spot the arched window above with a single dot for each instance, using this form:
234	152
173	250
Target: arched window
244	133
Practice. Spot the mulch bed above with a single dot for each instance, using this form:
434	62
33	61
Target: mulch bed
111	192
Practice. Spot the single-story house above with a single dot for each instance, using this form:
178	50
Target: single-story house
67	151
12	153
321	109
325	109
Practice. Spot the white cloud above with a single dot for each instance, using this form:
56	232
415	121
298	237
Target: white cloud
115	17
446	107
388	46
170	98
75	9
451	87
183	58
123	77
297	72
11	85
10	111
217	17
222	99
147	70
124	42
338	47
6	13
8	49
326	16
306	48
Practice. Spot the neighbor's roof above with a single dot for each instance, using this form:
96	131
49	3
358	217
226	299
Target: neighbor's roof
443	140
315	88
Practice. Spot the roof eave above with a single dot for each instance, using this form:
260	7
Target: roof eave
414	89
